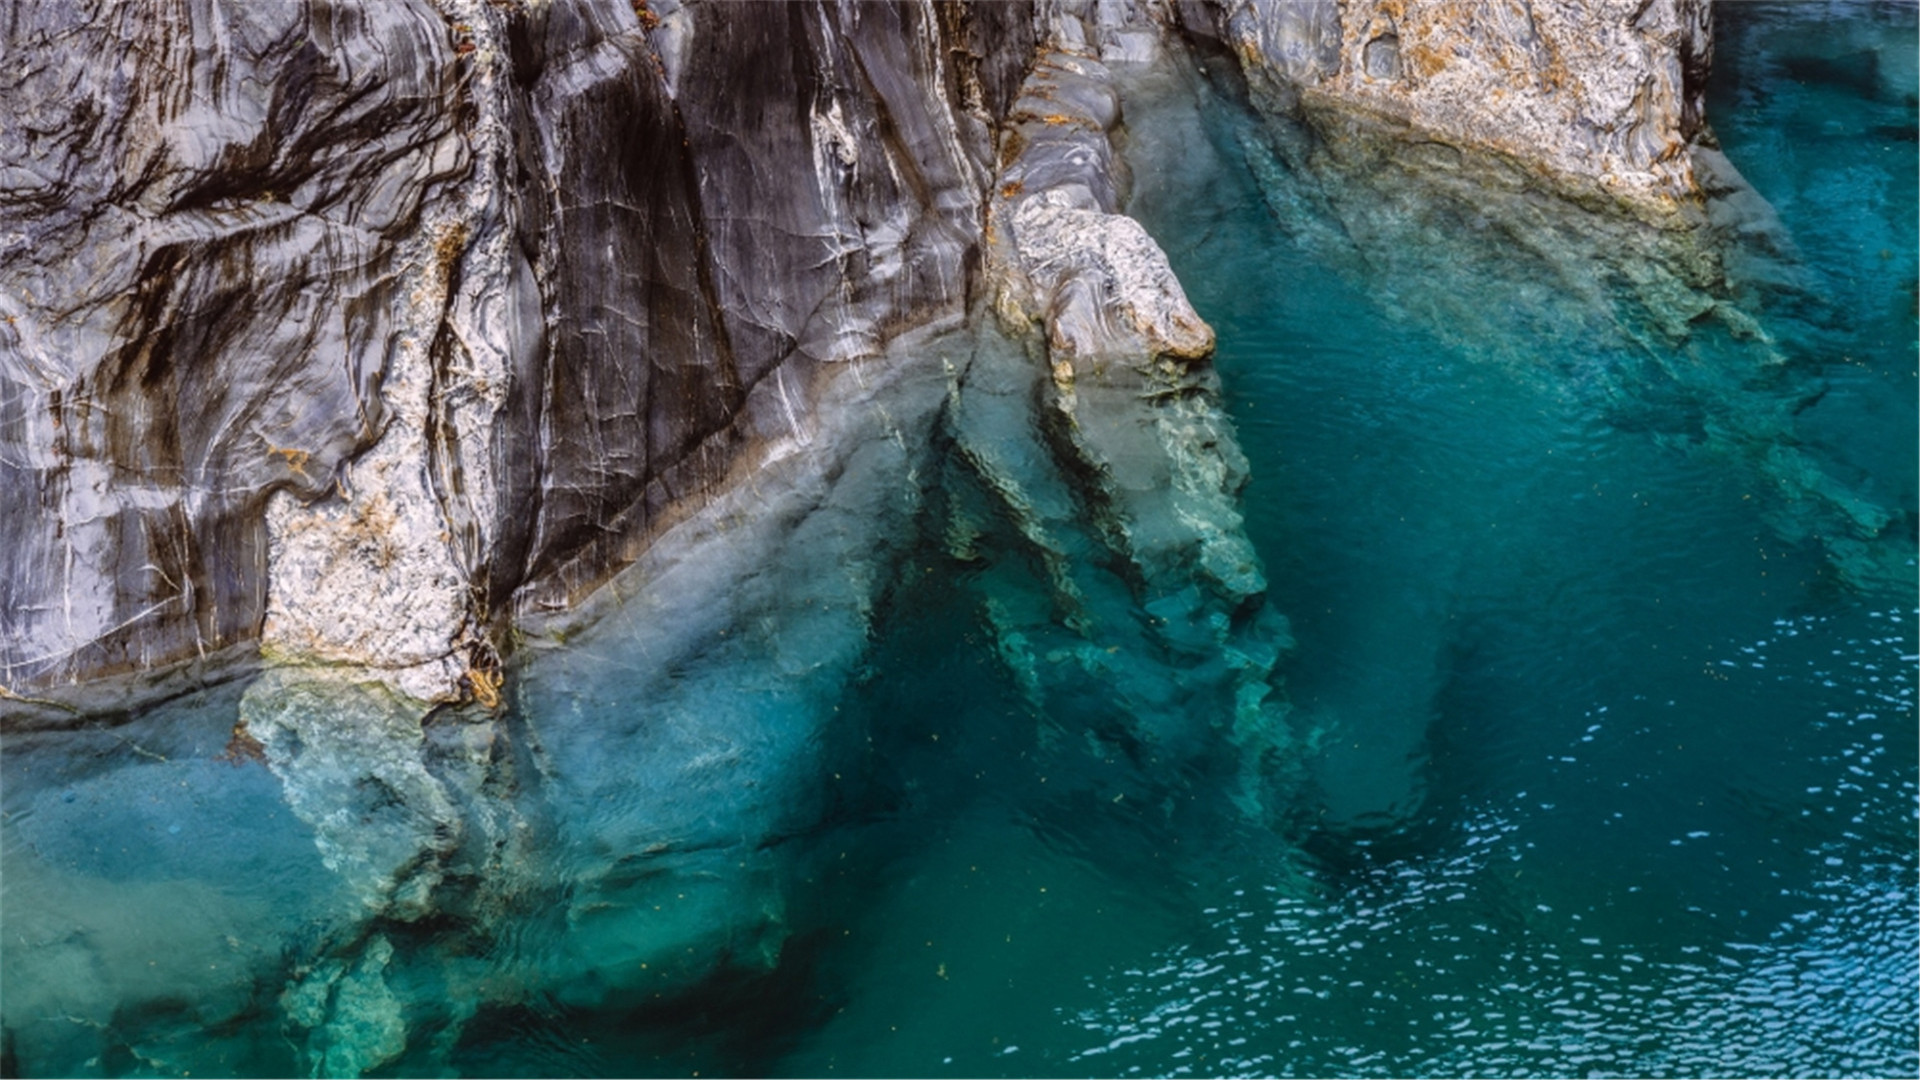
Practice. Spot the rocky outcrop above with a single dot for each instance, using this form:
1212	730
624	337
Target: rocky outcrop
381	337
355	330
217	250
1605	95
1549	174
659	287
1132	499
354	334
379	333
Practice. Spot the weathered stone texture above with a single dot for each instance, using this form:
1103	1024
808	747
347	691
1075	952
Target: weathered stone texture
807	186
202	284
1606	92
358	327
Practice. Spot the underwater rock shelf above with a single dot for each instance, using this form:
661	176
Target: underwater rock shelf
941	538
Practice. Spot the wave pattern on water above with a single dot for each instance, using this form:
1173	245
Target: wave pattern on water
1452	963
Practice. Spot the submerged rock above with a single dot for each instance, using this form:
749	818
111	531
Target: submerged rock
357	1021
1158	634
155	880
688	734
351	759
1524	192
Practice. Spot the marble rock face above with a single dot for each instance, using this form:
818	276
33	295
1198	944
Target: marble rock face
353	333
364	337
350	330
213	223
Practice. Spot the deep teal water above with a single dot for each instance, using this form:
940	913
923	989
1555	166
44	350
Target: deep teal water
1613	773
1622	781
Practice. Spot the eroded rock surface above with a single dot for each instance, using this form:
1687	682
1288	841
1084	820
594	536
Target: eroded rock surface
206	218
1131	499
355	330
355	335
380	338
360	332
1605	94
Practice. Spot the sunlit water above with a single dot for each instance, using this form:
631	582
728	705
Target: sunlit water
1609	774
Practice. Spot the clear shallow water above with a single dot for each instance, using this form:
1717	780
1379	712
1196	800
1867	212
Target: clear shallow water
1609	773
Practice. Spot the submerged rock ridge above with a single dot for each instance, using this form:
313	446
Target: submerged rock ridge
1132	503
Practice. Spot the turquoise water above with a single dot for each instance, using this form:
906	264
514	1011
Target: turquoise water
1606	757
1620	780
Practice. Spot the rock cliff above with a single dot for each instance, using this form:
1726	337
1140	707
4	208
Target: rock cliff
355	333
352	330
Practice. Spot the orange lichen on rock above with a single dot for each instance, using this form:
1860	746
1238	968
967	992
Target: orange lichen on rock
295	459
242	747
484	686
1424	60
